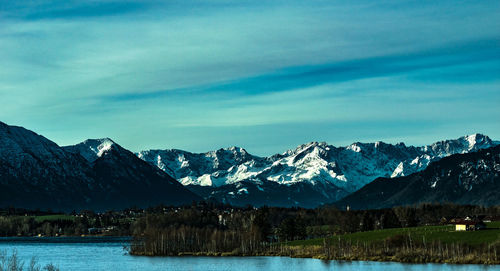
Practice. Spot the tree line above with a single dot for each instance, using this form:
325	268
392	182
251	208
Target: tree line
20	222
209	228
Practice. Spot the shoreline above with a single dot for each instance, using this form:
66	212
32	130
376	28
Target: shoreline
287	251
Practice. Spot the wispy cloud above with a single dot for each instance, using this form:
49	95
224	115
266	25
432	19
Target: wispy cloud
444	58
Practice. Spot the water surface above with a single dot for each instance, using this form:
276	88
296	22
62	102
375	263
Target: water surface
108	254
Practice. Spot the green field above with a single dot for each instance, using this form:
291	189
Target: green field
445	234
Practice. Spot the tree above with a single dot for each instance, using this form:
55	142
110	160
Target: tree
388	220
367	222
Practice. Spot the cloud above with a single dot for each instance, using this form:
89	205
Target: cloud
131	69
43	10
444	59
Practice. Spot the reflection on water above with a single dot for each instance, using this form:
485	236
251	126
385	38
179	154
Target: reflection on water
110	255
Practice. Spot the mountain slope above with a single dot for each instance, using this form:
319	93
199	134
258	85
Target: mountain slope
37	173
126	179
472	178
33	169
328	172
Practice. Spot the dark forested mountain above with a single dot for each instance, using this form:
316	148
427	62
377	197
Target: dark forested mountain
308	176
37	173
471	178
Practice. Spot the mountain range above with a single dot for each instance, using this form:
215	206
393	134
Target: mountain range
99	174
471	178
309	175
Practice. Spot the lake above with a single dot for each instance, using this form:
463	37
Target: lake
108	254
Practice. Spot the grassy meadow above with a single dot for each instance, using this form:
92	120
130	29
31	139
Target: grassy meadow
440	244
444	234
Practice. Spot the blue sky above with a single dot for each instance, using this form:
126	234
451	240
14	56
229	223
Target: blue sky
263	75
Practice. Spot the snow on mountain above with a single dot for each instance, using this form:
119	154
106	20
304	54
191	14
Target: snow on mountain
463	178
346	168
438	150
212	168
91	149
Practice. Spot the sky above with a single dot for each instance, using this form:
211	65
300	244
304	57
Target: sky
263	75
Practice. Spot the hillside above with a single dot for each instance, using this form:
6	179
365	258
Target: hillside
37	173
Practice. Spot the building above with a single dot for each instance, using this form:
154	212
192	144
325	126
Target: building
469	225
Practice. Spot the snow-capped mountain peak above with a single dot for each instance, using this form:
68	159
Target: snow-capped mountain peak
355	147
318	164
100	146
306	147
477	140
92	149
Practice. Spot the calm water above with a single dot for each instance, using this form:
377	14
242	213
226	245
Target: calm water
72	254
